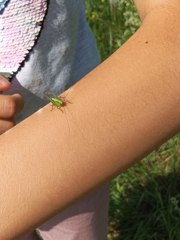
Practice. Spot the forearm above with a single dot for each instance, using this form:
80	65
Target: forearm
119	113
145	6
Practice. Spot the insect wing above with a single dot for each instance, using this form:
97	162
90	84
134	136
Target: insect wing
56	102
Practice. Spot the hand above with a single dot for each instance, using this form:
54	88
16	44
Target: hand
10	105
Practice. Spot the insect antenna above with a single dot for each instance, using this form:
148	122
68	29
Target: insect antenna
66	119
73	118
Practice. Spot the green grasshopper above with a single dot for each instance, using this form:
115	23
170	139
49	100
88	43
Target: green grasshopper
57	101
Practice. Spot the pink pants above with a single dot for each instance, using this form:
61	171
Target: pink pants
85	220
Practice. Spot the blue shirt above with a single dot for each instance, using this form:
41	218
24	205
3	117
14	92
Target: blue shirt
65	51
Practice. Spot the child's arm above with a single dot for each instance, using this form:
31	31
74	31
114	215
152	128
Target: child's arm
144	7
119	113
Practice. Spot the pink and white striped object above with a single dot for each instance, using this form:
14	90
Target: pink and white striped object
20	25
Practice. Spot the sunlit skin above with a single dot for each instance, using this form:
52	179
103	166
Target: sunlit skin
120	107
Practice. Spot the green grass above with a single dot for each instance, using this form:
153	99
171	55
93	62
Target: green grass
111	24
145	200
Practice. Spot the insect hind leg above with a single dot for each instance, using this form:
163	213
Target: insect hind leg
60	108
64	99
52	107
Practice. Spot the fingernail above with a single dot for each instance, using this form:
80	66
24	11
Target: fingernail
3	81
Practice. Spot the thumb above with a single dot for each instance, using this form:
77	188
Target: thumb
4	83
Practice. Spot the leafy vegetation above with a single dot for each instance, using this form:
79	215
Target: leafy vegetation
112	22
145	200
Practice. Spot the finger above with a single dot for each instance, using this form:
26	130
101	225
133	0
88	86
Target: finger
6	125
19	102
4	84
10	105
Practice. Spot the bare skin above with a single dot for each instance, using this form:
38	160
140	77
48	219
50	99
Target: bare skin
144	7
115	108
